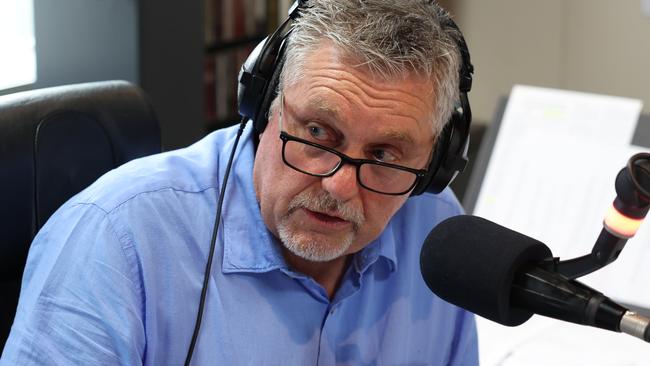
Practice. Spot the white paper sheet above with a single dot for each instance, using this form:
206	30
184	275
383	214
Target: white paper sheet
544	342
551	176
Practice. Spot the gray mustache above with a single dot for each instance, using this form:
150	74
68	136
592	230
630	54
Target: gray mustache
323	202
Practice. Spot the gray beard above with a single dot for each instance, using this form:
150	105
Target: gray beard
302	244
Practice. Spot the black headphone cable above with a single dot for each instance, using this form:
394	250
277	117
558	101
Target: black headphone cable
215	230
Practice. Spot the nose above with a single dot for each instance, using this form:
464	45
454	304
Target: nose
343	184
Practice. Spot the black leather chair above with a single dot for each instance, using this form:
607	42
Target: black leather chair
53	143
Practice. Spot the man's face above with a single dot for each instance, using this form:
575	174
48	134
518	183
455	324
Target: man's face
344	108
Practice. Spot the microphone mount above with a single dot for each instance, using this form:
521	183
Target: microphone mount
524	278
550	288
550	294
626	214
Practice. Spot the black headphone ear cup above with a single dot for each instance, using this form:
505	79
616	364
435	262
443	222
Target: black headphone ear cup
450	153
440	149
455	159
259	74
250	87
262	118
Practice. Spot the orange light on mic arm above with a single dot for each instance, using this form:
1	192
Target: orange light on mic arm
621	225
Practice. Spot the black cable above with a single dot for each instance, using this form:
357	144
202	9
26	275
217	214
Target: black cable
215	230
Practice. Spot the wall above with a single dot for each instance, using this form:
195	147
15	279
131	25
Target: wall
171	67
608	48
588	45
158	45
84	40
596	46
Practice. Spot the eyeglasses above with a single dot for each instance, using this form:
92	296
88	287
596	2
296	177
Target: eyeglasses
321	161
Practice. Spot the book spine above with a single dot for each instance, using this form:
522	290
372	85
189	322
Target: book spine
227	20
209	87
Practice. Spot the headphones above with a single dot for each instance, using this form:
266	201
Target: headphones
258	81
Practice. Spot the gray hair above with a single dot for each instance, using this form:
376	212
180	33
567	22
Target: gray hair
391	38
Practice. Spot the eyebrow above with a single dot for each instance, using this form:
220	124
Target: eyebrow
400	136
320	106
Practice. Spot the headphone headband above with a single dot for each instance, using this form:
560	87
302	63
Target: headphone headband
260	73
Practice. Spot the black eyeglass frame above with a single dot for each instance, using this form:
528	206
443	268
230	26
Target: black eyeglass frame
285	137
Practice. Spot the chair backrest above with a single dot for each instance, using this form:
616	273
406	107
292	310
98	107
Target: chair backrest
53	143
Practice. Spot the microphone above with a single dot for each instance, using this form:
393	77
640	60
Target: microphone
506	277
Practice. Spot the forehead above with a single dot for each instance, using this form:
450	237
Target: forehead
323	108
332	85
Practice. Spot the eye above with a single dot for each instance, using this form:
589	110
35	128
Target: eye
385	156
318	132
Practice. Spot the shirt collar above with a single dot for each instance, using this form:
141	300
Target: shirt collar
248	246
383	247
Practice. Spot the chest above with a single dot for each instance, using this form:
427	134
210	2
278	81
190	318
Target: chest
274	319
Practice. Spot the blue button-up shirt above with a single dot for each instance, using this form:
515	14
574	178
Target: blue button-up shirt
115	275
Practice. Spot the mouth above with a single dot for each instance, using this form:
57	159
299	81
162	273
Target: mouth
323	219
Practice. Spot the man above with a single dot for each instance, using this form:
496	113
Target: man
317	256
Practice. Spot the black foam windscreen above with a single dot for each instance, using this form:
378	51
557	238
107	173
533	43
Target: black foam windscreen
471	262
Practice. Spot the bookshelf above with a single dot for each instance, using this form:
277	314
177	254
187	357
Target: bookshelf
232	29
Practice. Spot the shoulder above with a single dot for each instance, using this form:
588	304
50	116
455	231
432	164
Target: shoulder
452	327
445	200
412	223
427	210
163	199
194	169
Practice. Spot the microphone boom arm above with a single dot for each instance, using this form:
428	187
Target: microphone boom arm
626	214
607	248
550	294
